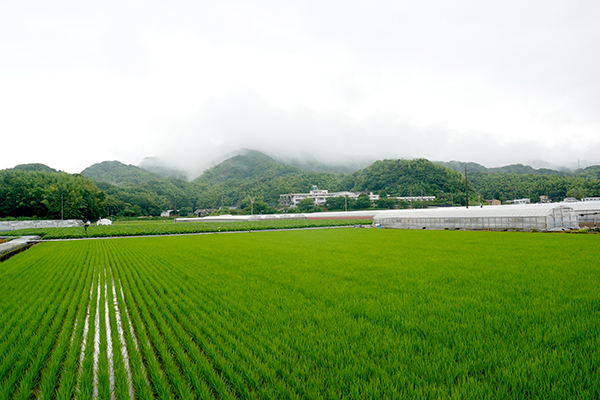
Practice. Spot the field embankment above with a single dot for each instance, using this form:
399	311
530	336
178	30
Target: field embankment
352	313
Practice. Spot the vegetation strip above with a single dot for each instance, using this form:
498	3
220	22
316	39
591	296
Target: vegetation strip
171	228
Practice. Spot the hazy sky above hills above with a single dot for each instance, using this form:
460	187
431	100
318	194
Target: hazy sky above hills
490	82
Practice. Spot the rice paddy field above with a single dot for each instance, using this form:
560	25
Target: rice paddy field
313	314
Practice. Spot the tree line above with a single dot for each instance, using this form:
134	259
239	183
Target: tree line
49	195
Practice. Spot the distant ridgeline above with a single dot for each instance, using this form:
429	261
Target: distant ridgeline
253	180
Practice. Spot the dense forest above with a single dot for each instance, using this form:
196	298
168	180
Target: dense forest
49	195
253	179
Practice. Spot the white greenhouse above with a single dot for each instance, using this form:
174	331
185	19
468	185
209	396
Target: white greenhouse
542	217
588	212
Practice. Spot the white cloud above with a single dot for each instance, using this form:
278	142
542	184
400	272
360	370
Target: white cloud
489	82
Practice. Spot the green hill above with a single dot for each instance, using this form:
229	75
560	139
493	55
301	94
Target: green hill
119	174
404	178
133	191
254	174
34	167
26	193
246	167
459	166
589	172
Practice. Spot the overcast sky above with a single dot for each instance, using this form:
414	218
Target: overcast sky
495	82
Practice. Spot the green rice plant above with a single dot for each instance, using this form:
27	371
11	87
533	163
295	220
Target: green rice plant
85	373
68	373
16	290
171	369
35	354
50	375
156	376
120	355
140	382
246	373
102	387
188	363
352	313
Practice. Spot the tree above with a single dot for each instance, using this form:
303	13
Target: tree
385	203
306	206
336	203
362	203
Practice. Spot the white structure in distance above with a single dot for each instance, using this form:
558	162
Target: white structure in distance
319	197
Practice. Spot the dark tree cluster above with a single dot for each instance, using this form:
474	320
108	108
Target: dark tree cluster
49	195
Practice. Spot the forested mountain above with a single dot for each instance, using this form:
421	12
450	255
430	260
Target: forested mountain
589	172
35	189
133	191
459	166
405	178
34	167
43	195
254	174
150	198
246	167
119	174
340	167
506	186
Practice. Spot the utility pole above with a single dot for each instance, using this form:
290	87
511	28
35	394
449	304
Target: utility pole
466	187
252	205
422	199
61	207
346	203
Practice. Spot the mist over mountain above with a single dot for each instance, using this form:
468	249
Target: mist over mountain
159	167
190	169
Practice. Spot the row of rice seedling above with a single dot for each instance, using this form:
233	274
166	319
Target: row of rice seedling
170	228
34	345
187	334
303	315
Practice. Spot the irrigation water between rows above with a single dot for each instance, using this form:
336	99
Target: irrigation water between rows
108	334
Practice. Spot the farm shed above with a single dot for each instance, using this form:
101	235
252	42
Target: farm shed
538	217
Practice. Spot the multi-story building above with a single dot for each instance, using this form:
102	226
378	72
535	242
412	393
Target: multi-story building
319	196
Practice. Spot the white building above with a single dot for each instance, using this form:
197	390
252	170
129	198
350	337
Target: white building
414	198
319	196
521	201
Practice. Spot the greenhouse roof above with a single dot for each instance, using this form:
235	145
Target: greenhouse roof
518	210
